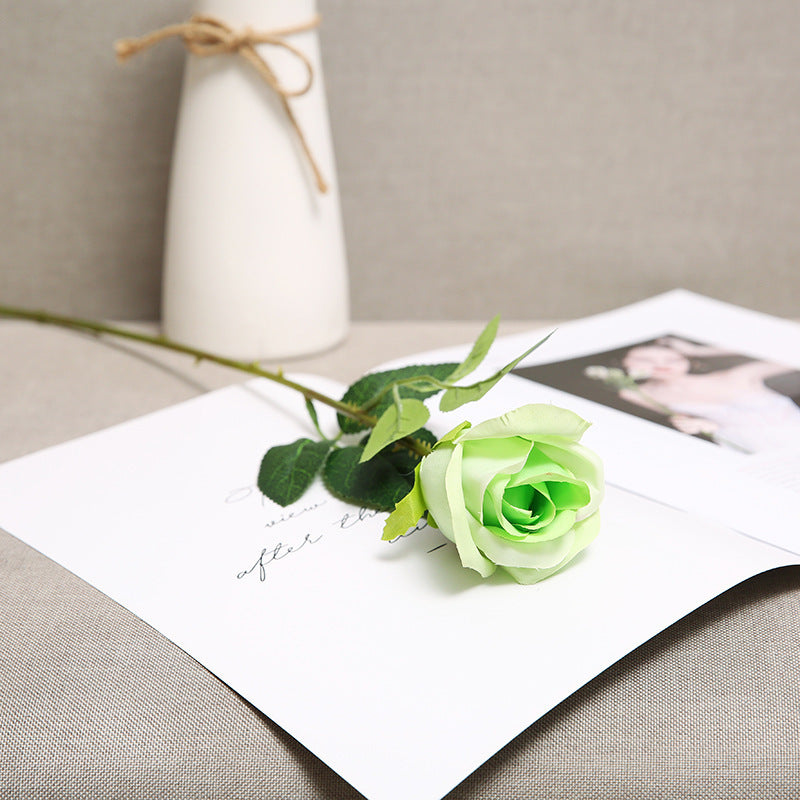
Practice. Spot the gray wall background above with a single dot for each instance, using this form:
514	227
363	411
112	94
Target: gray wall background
542	159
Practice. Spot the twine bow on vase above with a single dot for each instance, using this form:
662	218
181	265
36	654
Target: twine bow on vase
205	36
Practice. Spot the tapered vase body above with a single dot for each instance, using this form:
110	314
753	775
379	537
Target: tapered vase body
254	264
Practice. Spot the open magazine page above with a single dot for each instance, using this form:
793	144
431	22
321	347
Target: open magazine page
693	403
399	668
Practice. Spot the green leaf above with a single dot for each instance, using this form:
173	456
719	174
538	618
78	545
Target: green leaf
407	512
456	396
393	425
367	388
450	435
374	484
478	352
312	412
287	470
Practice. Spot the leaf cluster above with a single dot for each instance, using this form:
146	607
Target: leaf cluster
378	471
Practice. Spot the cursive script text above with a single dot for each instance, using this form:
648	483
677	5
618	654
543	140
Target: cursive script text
348	520
277	553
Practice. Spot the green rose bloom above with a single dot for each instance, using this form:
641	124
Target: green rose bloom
518	492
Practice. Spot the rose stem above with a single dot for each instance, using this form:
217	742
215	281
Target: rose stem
251	367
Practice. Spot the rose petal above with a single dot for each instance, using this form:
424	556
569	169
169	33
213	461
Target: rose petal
521	499
562	522
492	504
543	510
546	474
523	505
539	554
585	465
485	461
584	531
572	495
440	477
493	512
537	468
544	419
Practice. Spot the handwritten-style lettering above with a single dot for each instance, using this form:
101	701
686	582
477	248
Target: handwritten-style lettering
348	520
277	553
293	514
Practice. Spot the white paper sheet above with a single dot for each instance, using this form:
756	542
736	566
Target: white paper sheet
398	668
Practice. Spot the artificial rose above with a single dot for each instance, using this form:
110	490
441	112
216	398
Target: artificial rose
518	492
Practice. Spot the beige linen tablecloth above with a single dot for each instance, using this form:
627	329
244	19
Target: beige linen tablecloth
95	703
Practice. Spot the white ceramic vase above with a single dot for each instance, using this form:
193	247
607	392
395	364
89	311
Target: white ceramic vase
254	256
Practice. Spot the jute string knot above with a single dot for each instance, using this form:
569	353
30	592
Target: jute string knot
205	36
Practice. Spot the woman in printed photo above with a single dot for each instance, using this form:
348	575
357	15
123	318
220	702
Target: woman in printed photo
734	405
